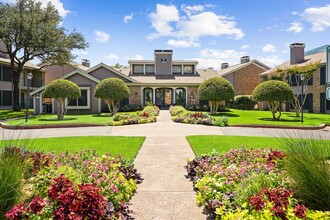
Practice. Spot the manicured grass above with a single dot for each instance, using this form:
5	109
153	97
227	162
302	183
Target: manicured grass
204	144
252	117
7	114
126	146
101	119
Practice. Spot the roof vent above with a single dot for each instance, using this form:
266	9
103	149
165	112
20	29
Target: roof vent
245	59
224	65
86	63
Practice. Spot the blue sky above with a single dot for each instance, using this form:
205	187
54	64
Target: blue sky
211	31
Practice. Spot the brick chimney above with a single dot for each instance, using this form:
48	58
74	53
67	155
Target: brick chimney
3	48
224	65
297	53
245	59
86	63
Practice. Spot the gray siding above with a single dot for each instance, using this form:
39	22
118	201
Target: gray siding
163	68
103	73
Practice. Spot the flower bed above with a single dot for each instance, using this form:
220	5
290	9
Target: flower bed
74	186
147	115
247	184
181	115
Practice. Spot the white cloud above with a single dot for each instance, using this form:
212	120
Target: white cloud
127	18
182	43
271	61
294	13
214	58
161	20
57	4
192	24
245	46
318	17
112	56
268	48
101	36
295	27
137	57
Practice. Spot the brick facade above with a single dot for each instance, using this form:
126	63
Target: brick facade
192	91
135	98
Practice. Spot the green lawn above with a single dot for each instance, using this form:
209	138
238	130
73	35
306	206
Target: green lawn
253	117
126	146
101	119
7	114
204	144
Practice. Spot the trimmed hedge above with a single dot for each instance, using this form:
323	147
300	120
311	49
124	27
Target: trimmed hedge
244	102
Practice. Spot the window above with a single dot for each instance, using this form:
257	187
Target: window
6	98
293	80
322	102
148	96
180	96
83	102
150	69
6	74
177	69
163	60
188	69
322	75
327	104
137	69
310	81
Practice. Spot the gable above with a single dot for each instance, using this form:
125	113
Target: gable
103	73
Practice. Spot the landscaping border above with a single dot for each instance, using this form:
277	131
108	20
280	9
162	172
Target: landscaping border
321	126
17	127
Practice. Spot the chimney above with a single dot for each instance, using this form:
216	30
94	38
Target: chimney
297	53
245	59
3	48
163	62
224	65
86	63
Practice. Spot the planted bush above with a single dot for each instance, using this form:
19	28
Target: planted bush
247	184
78	186
244	102
147	115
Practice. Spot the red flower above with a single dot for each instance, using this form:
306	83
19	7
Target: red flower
17	212
257	201
300	211
36	205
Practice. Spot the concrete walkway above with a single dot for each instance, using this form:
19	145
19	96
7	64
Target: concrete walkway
165	193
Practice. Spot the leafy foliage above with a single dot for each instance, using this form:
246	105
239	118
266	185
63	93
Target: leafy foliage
244	102
61	89
275	93
214	90
29	30
112	91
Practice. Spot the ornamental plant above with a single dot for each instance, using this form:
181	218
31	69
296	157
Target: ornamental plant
61	90
214	90
112	91
275	93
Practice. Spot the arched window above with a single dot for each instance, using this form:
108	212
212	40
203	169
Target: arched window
148	96
180	96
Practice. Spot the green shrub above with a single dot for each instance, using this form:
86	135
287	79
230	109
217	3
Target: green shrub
244	102
151	110
307	164
176	110
11	173
214	90
112	91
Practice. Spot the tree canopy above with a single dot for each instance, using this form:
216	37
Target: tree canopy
31	31
112	91
214	90
61	90
274	92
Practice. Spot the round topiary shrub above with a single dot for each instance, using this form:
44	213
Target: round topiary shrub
214	90
112	91
275	93
61	89
244	102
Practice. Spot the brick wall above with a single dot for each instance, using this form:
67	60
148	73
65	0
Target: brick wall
135	98
192	91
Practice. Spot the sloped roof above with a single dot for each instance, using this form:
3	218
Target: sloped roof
318	57
27	64
80	72
231	69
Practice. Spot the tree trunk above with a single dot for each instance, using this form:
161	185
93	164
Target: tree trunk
115	107
16	92
109	106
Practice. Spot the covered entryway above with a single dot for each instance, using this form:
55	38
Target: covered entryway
164	97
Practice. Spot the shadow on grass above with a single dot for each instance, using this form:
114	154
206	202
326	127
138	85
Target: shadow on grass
281	120
227	114
103	115
55	119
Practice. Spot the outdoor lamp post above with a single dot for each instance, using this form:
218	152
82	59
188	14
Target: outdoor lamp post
29	77
302	77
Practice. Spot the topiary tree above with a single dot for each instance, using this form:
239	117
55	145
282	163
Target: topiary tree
112	91
61	89
214	90
275	93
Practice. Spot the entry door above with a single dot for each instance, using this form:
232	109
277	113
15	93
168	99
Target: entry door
163	97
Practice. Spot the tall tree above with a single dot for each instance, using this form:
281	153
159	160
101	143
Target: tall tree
31	31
